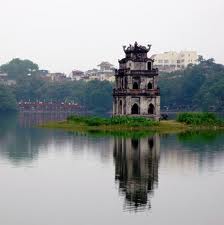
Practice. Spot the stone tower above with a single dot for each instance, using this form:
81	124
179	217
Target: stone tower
136	92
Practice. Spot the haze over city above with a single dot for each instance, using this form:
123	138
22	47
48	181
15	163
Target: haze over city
63	35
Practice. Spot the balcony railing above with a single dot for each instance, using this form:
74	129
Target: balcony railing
151	92
153	72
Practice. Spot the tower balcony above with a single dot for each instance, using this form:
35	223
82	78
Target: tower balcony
136	92
128	72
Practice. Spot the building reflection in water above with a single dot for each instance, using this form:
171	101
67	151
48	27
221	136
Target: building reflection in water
136	170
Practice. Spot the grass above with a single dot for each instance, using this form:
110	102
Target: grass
117	126
138	126
118	120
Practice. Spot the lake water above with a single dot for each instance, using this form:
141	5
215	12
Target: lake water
52	177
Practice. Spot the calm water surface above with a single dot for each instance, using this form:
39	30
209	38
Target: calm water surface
51	177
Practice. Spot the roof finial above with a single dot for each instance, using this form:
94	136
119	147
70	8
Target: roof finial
149	47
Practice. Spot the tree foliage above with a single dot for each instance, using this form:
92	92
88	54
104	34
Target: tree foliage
7	99
18	68
94	95
198	87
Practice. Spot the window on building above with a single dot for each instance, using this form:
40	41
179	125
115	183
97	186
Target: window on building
135	85
149	65
135	109
149	85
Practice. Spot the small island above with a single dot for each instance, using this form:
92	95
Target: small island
184	122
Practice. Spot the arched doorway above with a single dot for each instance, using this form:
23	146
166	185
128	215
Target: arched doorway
151	109
135	85
149	85
135	109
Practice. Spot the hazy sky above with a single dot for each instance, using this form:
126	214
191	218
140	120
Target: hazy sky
61	35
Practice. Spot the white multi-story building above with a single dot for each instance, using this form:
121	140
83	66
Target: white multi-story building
106	72
171	61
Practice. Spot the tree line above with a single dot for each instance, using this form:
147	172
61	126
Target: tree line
198	87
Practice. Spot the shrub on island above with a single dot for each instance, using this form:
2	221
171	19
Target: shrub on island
117	120
200	119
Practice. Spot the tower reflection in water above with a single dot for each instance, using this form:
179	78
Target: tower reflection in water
136	170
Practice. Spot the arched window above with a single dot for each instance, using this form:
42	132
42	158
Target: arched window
135	109
149	85
135	85
149	65
151	109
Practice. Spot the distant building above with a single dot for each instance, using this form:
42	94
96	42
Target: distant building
77	75
106	67
57	77
93	72
106	72
10	82
3	75
4	80
42	73
172	61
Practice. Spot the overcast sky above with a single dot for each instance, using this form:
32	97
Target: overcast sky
61	35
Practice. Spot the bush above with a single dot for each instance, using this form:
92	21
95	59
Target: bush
117	120
200	118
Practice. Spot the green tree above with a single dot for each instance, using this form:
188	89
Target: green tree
197	87
7	99
18	68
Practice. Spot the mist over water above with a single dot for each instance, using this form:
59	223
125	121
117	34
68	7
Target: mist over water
57	177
